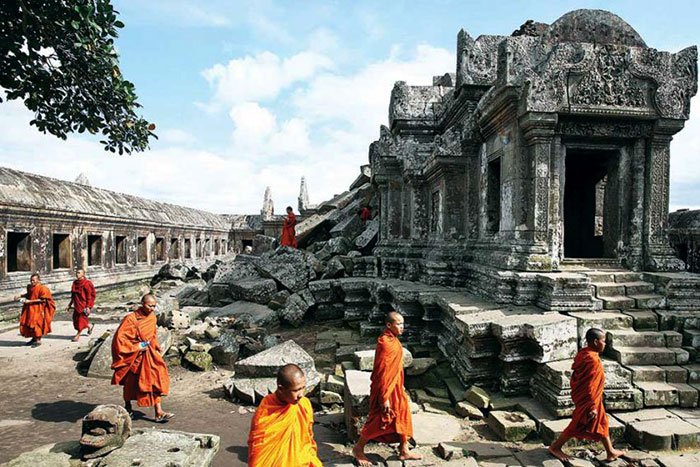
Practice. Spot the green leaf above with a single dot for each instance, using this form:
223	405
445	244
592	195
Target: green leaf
118	24
75	24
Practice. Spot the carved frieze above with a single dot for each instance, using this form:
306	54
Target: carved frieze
605	129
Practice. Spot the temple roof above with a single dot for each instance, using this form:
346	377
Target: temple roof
22	189
595	27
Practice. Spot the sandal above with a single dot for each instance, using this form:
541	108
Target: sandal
165	416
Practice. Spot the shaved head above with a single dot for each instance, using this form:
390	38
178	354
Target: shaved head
288	375
148	298
594	334
392	317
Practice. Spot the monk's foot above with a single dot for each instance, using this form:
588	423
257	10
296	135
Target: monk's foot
164	417
359	455
90	328
31	342
559	454
36	343
76	338
409	456
614	454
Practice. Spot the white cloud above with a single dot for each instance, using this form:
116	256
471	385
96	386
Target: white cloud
261	77
176	136
362	99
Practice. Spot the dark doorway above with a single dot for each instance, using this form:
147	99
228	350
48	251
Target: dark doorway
94	250
142	255
61	251
160	249
120	247
19	252
174	252
589	198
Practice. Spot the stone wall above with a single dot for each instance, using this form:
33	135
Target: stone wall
52	227
684	233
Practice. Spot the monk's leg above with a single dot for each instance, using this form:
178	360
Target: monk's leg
555	448
610	450
358	452
404	453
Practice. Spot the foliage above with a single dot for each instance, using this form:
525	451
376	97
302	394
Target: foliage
58	56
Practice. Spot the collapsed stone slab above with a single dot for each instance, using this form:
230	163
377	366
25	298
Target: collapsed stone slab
255	376
252	314
364	359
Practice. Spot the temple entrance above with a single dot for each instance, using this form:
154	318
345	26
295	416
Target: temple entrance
590	204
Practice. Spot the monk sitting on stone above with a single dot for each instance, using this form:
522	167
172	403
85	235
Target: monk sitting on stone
137	361
281	430
389	419
589	420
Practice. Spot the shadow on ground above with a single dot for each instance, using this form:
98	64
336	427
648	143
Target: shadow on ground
61	411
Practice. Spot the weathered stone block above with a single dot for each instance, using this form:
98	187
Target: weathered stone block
253	290
356	401
364	359
511	426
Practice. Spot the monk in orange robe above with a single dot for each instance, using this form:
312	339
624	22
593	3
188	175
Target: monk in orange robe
281	432
589	420
82	299
37	311
389	419
288	234
137	361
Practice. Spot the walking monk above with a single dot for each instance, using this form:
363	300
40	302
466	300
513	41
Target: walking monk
37	311
288	235
82	298
589	420
281	432
389	419
137	362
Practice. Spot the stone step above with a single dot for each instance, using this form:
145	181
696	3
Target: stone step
600	276
630	338
637	287
643	320
608	289
648	301
675	374
647	373
658	394
617	303
673	339
643	355
627	276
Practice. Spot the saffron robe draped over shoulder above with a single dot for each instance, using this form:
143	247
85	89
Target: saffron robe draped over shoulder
144	375
387	384
83	295
288	234
281	435
587	384
36	318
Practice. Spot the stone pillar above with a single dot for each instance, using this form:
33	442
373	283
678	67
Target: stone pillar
634	259
419	221
394	207
658	254
538	133
383	188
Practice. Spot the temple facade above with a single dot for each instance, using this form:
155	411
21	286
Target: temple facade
545	150
52	227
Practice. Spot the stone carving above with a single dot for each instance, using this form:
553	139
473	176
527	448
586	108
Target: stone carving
617	130
105	429
609	82
268	209
595	27
476	59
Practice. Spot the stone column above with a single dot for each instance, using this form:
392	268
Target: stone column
419	221
658	254
634	259
383	189
538	132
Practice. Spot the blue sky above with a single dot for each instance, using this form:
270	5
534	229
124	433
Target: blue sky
251	94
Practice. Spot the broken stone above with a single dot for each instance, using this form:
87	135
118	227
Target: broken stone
200	360
251	314
279	300
289	267
468	410
295	310
100	366
437	392
253	290
431	429
268	362
335	268
329	397
478	397
364	359
334	383
511	426
450	451
225	349
356	401
420	366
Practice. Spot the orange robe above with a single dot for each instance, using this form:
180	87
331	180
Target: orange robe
387	384
288	235
36	318
281	435
587	384
144	375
